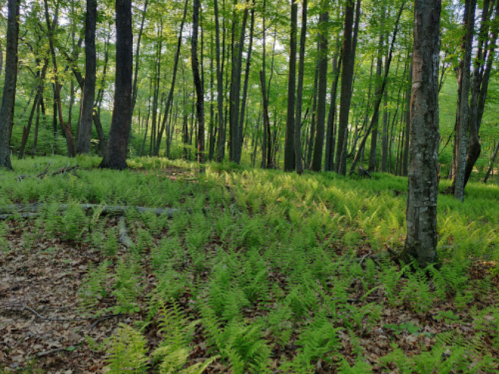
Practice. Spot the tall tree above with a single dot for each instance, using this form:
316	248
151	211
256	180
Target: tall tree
348	61
115	156
462	118
482	71
321	99
85	127
422	194
198	84
289	152
9	90
299	94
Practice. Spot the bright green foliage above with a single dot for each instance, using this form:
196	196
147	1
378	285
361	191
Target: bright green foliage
127	352
267	262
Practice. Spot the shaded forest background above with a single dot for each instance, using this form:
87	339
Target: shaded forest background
249	125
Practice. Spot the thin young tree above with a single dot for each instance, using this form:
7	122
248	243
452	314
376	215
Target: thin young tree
85	128
198	84
289	148
322	88
421	241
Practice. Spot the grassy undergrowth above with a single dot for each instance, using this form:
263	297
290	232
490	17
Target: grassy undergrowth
262	271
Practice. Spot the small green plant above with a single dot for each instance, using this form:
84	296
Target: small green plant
409	327
94	286
127	352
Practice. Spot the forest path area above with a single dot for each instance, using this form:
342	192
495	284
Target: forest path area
258	271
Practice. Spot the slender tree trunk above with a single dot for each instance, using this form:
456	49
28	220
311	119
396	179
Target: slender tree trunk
198	83
462	119
299	95
220	98
483	67
422	193
37	126
492	161
331	121
310	147
246	77
169	100
321	100
348	58
382	90
65	127
85	128
137	56
384	141
116	152
289	153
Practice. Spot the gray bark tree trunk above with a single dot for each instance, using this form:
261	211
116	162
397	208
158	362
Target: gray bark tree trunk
421	241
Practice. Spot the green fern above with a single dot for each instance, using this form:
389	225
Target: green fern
127	352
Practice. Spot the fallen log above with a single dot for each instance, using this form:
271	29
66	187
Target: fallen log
9	211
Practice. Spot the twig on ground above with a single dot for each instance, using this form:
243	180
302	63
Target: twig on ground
366	256
46	353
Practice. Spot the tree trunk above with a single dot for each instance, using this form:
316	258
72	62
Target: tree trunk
421	241
479	94
137	57
348	58
9	88
407	118
85	129
289	152
299	95
220	98
198	83
169	100
384	137
462	120
492	160
246	78
382	90
57	95
321	100
116	152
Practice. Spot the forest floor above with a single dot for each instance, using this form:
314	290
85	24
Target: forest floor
258	271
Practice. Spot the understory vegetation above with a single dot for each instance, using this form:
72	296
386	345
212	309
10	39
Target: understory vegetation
258	271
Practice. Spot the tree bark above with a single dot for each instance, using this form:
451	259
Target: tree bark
9	88
483	67
491	167
421	241
289	147
321	99
137	56
116	152
85	129
348	58
197	82
462	120
299	94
